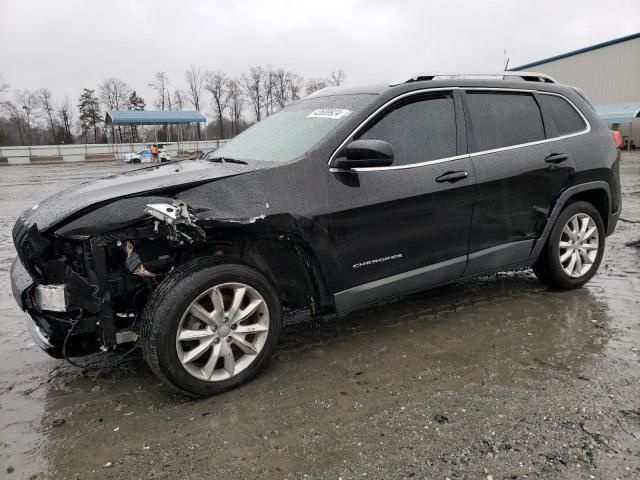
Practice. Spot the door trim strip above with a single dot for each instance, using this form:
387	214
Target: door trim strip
399	284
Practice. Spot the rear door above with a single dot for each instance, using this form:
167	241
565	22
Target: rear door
404	227
520	171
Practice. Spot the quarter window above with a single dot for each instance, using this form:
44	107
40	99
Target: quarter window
503	119
418	131
564	116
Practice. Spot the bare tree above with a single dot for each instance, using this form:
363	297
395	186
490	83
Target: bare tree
195	85
253	84
65	116
216	85
16	118
282	87
161	85
294	84
28	102
315	84
337	78
114	95
236	104
180	98
169	104
163	100
45	103
269	87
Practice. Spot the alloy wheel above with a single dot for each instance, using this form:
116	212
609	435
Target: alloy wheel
579	243
222	331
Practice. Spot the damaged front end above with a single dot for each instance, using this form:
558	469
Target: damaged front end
85	283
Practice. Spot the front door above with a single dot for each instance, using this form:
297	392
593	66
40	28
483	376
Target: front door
404	227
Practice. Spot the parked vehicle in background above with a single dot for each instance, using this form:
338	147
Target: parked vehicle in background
348	197
144	156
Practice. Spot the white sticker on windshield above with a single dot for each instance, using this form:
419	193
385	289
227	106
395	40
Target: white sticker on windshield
334	113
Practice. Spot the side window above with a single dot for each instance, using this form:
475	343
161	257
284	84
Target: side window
419	131
565	117
503	119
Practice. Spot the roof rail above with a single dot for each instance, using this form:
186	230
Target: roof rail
526	76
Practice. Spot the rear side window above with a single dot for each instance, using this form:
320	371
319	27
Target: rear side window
565	117
503	119
419	131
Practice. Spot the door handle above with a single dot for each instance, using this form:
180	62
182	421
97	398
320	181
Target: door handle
451	177
556	158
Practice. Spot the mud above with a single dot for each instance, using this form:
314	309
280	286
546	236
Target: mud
492	378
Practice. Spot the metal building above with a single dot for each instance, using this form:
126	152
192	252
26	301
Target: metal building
609	73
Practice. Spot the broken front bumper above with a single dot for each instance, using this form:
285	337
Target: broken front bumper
50	298
45	306
20	282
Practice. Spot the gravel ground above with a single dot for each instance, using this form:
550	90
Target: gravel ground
491	378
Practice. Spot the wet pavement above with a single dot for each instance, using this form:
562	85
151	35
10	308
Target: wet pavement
492	378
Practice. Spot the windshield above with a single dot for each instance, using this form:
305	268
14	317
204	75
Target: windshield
291	132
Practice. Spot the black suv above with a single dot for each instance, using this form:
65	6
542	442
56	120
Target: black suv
345	198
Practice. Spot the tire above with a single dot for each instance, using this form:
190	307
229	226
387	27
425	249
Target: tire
198	367
559	273
135	160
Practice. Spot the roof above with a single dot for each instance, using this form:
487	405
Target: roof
508	75
443	78
579	51
150	117
619	112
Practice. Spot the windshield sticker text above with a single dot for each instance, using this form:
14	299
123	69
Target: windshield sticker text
334	113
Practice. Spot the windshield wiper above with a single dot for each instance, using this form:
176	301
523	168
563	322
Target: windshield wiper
227	160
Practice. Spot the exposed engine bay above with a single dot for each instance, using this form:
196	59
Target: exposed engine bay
97	284
90	288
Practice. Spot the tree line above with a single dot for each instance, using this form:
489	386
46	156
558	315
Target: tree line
35	117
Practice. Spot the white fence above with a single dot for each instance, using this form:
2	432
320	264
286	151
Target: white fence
94	152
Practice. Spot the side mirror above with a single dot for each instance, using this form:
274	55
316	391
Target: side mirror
366	153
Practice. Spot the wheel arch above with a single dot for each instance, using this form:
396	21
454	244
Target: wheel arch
598	197
597	193
286	261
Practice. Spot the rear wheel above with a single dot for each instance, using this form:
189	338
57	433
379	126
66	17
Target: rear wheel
210	327
574	248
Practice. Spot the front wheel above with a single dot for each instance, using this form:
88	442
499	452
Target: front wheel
210	326
574	248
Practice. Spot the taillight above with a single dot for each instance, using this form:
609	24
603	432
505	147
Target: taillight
617	138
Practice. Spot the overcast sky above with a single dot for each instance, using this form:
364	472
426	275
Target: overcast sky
66	45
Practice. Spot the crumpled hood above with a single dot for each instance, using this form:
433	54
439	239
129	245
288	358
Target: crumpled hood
57	207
